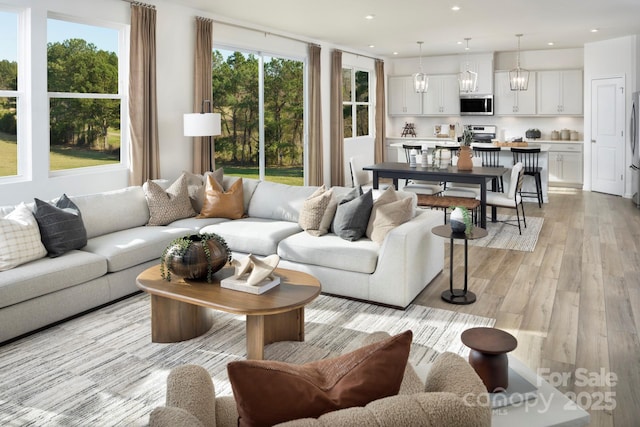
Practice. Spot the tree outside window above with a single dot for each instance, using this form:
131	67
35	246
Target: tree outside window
356	102
9	94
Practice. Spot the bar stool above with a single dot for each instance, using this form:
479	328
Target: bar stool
529	159
490	158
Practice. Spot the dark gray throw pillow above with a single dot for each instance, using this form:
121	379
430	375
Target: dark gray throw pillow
352	216
61	226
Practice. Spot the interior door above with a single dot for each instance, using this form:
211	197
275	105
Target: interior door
607	135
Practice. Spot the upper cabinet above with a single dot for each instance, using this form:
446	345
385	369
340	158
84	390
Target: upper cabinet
483	65
560	92
403	99
443	96
509	102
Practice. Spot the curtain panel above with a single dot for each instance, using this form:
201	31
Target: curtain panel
380	113
315	172
143	110
203	149
337	129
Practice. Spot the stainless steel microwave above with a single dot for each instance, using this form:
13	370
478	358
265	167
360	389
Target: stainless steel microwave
476	105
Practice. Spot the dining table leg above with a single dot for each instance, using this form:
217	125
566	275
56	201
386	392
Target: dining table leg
483	204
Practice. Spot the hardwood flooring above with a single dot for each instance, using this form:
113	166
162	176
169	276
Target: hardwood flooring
573	303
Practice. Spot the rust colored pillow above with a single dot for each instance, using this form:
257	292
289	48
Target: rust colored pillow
271	392
218	204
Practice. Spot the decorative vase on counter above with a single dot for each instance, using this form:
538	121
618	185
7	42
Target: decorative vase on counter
464	159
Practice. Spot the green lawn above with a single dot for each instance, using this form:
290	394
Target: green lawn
8	155
70	158
288	175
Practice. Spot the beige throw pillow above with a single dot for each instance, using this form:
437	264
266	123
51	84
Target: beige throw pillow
221	204
170	205
388	196
197	183
313	212
389	216
19	238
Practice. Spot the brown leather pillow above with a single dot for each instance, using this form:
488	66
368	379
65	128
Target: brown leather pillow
271	392
218	204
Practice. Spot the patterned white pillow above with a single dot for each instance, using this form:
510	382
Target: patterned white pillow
19	238
166	206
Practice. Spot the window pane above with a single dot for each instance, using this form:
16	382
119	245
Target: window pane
84	132
8	137
81	58
346	85
362	86
8	51
362	121
347	115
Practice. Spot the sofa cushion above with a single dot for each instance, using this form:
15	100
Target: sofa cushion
271	392
249	186
253	235
61	226
166	206
219	203
127	248
196	183
352	216
313	212
281	202
111	211
388	217
196	224
19	238
48	275
331	251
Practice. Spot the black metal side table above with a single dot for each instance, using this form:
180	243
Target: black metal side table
458	296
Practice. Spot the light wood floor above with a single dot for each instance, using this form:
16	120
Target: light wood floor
572	303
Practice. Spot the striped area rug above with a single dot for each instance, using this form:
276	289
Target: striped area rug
505	236
103	370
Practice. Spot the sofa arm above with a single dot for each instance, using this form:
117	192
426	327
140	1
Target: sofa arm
171	417
451	373
190	388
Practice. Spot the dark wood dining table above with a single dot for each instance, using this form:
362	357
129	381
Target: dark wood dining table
478	175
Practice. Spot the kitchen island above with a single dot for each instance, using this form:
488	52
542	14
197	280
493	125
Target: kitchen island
506	160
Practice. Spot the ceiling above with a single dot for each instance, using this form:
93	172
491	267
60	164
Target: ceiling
399	24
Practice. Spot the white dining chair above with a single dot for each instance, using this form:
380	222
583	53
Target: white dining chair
512	198
360	177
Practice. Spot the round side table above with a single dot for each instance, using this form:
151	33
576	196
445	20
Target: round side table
488	356
458	296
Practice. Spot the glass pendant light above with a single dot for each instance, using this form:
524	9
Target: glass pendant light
420	80
519	77
468	79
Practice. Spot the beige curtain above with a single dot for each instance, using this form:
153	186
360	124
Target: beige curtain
315	173
143	111
203	150
380	113
337	129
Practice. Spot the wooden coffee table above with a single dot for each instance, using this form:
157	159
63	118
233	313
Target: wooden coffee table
180	309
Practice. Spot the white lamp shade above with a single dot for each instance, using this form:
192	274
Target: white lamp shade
202	124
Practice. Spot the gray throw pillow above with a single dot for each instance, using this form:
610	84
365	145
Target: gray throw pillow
352	216
61	226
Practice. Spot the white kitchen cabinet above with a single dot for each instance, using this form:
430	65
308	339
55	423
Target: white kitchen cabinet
565	165
509	102
560	92
403	99
443	96
483	65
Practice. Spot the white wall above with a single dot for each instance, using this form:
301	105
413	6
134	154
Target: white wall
610	58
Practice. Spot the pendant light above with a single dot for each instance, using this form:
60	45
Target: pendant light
420	80
468	79
519	77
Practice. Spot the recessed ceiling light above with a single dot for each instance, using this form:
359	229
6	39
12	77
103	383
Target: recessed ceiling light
372	46
395	53
594	30
370	17
455	8
458	42
551	43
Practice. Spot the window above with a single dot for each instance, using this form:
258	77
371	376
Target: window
10	97
356	102
85	98
275	152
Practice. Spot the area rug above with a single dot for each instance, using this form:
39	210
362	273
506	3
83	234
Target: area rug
103	370
506	236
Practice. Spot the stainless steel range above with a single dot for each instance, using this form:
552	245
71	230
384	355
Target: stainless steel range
483	133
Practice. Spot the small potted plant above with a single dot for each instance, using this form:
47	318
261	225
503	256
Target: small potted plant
194	256
460	220
464	155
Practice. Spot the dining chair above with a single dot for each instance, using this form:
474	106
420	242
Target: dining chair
417	186
529	159
360	177
490	158
513	197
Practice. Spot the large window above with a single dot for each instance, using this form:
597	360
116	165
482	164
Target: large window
85	99
356	105
10	97
274	151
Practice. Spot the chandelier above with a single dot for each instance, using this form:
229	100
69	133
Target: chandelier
519	77
468	79
420	80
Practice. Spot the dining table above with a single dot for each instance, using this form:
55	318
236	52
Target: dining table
478	175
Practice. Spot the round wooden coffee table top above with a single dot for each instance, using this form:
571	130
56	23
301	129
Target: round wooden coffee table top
296	289
489	340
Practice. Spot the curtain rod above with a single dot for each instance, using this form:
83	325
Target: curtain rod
266	33
137	3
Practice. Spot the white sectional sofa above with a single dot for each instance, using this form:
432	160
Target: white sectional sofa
120	246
